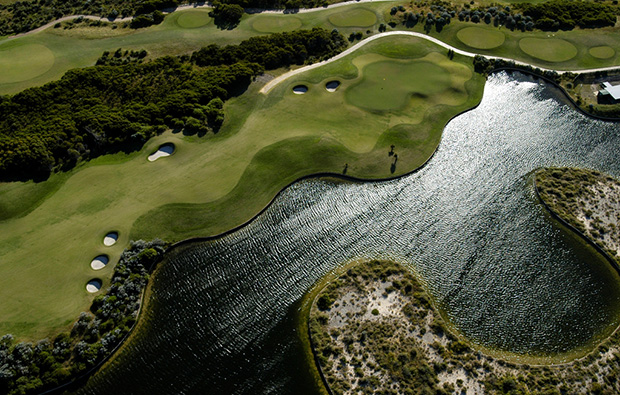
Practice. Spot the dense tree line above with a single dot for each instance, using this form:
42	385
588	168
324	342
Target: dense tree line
276	50
550	15
32	368
102	109
109	108
568	14
23	16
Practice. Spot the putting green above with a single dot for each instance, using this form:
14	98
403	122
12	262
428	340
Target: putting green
23	62
548	49
388	85
276	23
480	38
216	182
602	52
193	19
360	17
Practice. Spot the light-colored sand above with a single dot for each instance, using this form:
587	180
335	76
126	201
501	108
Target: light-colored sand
110	239
164	150
93	285
99	262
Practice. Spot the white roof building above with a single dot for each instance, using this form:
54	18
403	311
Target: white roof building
612	90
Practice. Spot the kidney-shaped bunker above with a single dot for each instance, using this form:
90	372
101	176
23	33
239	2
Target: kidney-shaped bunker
94	285
163	150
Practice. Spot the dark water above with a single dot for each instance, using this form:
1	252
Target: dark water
222	318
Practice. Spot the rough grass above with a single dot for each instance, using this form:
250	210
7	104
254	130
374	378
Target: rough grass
276	23
208	186
478	38
360	17
548	49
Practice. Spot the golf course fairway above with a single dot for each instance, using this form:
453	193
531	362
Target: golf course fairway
210	184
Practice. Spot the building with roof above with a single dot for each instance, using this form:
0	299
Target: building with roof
610	94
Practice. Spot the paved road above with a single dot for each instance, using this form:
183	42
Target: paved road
291	73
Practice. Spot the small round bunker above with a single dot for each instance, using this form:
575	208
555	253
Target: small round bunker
99	262
331	86
110	239
300	89
93	285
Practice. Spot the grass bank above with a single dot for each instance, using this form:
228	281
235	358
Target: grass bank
213	183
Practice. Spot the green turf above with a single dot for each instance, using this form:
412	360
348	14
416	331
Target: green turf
548	49
82	46
24	62
193	19
603	52
389	85
276	23
478	38
360	17
212	183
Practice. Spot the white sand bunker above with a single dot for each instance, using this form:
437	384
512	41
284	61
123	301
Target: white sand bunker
110	239
300	89
93	285
331	86
99	262
164	150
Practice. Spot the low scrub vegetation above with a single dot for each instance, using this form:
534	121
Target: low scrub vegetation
403	346
587	200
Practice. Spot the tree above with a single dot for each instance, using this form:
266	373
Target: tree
226	16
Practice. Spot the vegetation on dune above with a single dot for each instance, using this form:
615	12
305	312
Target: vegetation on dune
373	329
33	368
114	107
587	200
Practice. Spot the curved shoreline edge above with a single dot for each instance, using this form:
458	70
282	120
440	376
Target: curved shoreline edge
585	371
316	176
568	225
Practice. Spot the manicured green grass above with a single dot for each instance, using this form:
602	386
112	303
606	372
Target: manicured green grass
478	38
360	17
24	62
213	183
548	49
603	52
181	32
193	19
582	40
276	23
82	46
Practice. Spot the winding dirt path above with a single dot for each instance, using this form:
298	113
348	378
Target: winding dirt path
271	84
